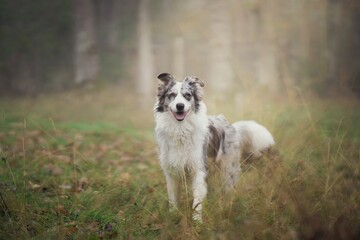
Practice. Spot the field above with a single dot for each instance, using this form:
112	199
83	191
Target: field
83	165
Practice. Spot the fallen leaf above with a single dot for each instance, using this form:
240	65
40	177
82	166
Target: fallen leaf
125	177
150	189
84	182
70	230
61	210
63	158
63	189
33	133
157	226
142	166
34	185
53	169
104	147
126	157
93	226
120	213
65	186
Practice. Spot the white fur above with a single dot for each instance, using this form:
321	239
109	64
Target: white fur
253	136
180	153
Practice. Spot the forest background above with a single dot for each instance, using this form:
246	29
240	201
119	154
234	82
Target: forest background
77	89
276	44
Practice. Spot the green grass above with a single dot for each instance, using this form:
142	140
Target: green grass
83	165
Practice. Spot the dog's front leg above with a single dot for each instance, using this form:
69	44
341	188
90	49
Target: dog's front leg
172	186
199	188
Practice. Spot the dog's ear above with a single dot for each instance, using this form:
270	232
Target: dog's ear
194	80
166	81
197	86
166	78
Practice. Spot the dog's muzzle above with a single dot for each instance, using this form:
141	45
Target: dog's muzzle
180	114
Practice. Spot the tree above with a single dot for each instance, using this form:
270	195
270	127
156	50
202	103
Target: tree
221	72
86	57
146	76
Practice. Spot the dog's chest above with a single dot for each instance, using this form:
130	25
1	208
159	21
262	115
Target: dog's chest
182	149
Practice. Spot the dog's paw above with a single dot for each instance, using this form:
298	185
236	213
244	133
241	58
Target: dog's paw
197	217
172	209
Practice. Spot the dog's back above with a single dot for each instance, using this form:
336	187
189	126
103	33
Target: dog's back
254	138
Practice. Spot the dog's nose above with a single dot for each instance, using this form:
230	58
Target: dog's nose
180	106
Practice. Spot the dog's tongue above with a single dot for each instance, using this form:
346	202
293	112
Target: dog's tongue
180	116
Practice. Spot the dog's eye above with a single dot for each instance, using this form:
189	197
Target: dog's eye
187	95
171	95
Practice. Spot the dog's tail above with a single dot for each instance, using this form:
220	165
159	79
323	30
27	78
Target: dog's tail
255	139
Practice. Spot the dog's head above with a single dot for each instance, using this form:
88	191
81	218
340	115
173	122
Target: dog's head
179	98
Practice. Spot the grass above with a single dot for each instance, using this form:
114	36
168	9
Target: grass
83	165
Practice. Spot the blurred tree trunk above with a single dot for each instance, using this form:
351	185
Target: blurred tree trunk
267	65
343	62
86	58
179	57
146	76
332	19
173	40
221	72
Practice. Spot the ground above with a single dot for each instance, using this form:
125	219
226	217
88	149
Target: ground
83	165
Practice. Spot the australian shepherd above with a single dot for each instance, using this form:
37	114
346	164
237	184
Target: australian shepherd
188	138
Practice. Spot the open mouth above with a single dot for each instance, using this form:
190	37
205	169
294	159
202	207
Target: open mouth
179	115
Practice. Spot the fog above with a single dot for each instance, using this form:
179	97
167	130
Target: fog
278	46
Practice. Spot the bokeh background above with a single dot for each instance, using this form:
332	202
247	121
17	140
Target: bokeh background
276	45
78	158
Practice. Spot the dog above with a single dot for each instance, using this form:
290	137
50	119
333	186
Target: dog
188	138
